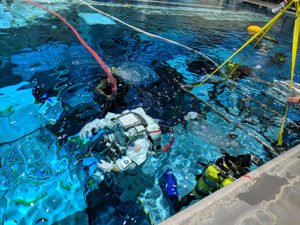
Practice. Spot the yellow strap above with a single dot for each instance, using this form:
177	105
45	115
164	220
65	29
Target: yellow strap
237	66
294	53
250	40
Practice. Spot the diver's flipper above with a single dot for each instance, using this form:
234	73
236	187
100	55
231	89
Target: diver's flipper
168	183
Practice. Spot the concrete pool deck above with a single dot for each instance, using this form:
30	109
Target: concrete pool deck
269	5
272	197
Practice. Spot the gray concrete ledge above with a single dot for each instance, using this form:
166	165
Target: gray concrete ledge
269	5
262	3
272	197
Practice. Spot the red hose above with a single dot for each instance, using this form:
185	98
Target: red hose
167	147
93	53
248	177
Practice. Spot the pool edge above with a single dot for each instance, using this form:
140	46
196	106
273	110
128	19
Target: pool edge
209	210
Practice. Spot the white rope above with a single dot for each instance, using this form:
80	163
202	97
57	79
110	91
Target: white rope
147	33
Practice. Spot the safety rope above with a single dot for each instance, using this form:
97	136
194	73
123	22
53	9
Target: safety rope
147	33
249	41
294	54
268	147
93	53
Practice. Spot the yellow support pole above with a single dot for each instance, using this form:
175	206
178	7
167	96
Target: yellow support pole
294	54
250	40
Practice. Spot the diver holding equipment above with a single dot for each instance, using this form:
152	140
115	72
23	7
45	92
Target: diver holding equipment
132	137
224	171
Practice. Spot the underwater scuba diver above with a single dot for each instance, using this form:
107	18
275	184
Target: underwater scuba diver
131	137
117	101
104	88
224	171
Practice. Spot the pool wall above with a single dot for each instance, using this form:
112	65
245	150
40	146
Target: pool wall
272	197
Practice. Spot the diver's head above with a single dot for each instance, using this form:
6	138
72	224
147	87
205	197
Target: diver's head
113	71
232	136
255	160
239	162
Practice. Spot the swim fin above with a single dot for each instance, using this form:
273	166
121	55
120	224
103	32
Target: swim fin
168	183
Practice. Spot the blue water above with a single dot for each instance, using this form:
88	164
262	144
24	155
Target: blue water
47	95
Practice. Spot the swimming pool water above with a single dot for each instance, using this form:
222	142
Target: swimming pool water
47	95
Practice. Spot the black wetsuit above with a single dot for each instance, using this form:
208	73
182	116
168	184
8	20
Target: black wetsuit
244	162
118	102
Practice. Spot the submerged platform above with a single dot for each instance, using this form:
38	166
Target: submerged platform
272	197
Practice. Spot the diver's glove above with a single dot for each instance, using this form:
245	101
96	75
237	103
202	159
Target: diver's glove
105	166
98	176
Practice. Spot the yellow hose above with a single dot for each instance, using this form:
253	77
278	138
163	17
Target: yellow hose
294	54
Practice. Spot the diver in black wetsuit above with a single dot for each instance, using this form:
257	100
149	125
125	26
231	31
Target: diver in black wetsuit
226	169
113	103
104	88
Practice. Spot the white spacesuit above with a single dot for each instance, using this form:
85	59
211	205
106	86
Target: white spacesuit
134	136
